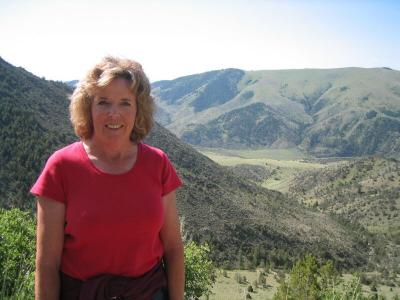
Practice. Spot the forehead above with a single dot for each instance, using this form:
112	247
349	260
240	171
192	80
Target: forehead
117	87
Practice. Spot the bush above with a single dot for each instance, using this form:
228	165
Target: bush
17	253
309	281
199	271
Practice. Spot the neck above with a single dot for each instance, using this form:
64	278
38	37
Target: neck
111	151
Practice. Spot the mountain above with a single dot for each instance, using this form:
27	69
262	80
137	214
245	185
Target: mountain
33	123
72	83
332	112
365	190
237	217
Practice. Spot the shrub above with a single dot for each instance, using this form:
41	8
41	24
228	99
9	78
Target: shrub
17	253
309	281
199	271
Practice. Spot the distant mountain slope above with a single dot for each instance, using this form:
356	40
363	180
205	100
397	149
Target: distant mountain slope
334	112
72	83
214	88
243	128
236	216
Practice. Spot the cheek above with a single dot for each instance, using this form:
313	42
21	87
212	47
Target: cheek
130	114
97	116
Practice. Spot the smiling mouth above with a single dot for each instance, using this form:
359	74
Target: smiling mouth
114	126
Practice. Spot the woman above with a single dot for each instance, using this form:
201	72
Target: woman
106	204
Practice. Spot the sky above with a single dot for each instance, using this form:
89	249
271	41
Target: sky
61	40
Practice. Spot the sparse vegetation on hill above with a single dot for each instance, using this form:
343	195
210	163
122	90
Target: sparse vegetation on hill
244	127
365	190
337	112
211	88
254	173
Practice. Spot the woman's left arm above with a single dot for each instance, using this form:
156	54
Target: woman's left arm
173	248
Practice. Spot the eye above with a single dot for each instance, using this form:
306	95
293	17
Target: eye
126	103
102	101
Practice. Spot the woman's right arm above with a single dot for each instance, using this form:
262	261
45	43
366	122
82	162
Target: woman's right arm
50	240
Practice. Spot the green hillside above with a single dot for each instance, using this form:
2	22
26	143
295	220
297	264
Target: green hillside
243	128
33	122
332	112
366	191
244	223
215	88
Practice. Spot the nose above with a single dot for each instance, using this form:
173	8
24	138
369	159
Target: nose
113	110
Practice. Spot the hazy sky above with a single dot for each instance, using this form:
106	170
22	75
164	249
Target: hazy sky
60	40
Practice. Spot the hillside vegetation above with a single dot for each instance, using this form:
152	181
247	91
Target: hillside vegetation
33	122
244	219
365	190
360	192
244	223
333	112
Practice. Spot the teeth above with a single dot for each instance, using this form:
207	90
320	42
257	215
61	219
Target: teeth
112	126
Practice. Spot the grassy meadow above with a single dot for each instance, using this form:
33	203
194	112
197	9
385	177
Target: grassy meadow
283	164
227	287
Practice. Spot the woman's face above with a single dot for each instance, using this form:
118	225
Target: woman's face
114	112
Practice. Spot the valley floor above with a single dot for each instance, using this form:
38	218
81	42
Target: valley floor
283	164
227	287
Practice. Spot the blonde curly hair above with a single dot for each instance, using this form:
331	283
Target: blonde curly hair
108	69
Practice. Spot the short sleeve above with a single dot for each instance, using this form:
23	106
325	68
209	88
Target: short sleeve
50	183
170	179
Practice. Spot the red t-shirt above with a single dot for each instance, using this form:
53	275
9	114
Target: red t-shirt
112	222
